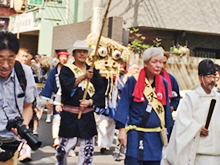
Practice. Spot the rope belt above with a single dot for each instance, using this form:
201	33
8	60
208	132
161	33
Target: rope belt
134	127
75	110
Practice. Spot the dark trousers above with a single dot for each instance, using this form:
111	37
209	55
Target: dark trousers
134	161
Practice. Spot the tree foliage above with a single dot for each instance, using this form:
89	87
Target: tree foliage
179	50
137	41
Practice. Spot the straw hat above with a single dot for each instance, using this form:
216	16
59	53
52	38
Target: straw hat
79	45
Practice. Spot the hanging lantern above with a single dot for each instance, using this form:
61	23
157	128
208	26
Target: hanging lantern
20	5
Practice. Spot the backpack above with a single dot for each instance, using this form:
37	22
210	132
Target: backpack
20	75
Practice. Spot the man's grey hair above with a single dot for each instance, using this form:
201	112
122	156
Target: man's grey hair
153	51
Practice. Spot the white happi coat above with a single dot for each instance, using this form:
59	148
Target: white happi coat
186	144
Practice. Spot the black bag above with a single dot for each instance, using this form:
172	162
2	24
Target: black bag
20	75
7	150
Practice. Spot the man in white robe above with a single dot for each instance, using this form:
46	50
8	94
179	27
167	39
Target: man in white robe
191	143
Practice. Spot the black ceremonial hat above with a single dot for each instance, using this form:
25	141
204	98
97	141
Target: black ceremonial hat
206	67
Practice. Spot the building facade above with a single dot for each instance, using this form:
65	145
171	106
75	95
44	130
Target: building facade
35	24
5	13
191	23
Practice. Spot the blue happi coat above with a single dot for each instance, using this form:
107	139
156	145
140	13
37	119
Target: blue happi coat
131	113
50	87
174	101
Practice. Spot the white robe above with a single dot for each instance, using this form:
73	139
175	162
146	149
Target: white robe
186	145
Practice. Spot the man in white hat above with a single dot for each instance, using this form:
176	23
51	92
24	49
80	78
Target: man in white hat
73	83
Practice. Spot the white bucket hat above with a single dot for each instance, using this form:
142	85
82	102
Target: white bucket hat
79	45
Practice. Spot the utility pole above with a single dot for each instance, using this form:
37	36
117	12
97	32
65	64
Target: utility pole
67	12
97	16
76	11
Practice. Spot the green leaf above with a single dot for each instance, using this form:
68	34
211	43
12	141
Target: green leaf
138	34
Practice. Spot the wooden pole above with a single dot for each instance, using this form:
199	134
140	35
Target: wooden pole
97	46
211	108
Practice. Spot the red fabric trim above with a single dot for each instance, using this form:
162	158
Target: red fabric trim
160	89
139	87
167	77
138	93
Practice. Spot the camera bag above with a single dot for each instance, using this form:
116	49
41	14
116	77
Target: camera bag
7	150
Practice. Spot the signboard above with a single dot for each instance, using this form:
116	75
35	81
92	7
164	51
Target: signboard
36	2
24	22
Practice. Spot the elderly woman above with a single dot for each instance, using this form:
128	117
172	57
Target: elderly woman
144	107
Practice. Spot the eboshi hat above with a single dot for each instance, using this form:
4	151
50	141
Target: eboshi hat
206	67
79	45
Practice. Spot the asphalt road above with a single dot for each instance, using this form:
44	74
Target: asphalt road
45	155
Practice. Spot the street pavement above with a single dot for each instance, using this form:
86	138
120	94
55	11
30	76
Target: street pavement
45	155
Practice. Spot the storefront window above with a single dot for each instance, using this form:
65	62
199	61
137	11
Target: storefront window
207	53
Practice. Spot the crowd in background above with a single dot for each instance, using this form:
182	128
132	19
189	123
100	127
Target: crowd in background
46	71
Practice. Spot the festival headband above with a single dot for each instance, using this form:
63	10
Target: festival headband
63	53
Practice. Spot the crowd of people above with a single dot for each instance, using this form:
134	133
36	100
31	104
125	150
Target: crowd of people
139	111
